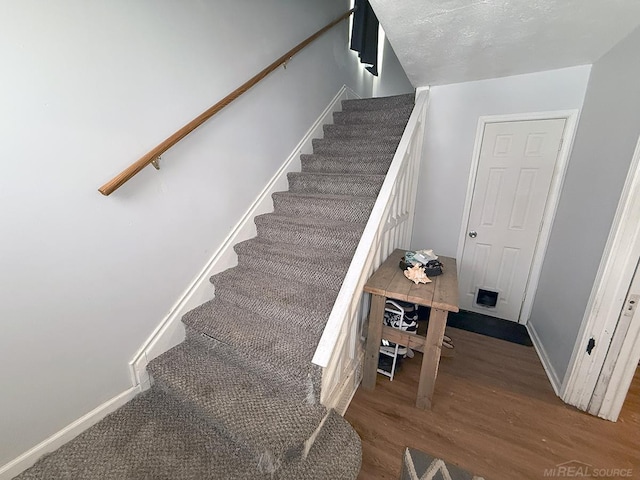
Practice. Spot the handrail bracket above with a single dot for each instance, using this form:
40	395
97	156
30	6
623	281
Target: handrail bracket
156	163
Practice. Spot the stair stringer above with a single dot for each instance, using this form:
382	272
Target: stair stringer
170	331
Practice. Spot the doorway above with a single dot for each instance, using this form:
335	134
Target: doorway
599	376
621	362
517	170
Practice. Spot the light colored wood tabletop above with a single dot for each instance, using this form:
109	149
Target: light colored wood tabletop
389	281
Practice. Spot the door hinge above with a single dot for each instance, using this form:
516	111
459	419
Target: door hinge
591	345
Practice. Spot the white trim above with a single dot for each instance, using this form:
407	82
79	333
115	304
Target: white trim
342	395
362	259
68	433
568	135
626	363
544	358
609	390
389	227
619	260
170	331
350	95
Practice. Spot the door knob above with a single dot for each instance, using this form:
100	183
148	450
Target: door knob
473	234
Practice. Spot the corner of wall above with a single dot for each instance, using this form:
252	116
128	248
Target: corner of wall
392	79
68	433
544	358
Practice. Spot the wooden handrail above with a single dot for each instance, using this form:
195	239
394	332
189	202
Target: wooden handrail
128	173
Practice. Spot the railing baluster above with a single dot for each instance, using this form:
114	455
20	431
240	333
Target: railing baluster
389	227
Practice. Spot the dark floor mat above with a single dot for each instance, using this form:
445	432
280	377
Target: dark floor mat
485	325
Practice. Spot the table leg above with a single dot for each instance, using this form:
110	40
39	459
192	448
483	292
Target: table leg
374	336
431	357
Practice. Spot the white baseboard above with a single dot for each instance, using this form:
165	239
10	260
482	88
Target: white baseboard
27	459
544	358
170	331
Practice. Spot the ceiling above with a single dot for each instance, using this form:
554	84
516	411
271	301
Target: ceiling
448	41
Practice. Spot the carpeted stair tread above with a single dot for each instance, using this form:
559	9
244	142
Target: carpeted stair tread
239	282
285	349
322	233
240	396
379	103
340	146
244	406
366	131
274	296
392	116
347	208
348	164
301	381
335	184
324	268
338	442
293	252
152	437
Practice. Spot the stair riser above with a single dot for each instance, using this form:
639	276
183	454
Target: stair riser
354	147
230	331
362	131
327	259
313	164
342	185
290	455
302	271
295	314
345	243
348	210
323	259
379	103
294	378
255	332
389	117
243	406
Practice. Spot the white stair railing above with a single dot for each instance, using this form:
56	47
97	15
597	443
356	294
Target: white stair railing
341	348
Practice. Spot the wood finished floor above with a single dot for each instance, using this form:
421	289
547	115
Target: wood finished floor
494	414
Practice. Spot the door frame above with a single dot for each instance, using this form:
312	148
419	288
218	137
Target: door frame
618	370
571	123
613	279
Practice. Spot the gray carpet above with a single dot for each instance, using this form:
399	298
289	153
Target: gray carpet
417	465
240	398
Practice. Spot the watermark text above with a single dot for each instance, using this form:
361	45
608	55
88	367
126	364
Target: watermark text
575	469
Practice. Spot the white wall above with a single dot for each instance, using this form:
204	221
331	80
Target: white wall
88	87
391	80
451	125
605	141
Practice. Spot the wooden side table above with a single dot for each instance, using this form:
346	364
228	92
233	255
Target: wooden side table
441	295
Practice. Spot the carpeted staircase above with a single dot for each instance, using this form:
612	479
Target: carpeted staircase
239	398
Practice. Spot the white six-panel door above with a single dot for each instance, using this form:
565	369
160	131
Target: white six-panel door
515	169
